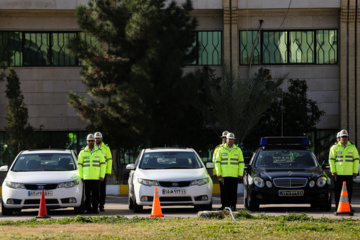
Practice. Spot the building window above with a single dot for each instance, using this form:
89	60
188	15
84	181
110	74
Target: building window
38	48
206	49
289	47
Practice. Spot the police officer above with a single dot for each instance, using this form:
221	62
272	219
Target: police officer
229	167
223	136
91	163
344	165
108	159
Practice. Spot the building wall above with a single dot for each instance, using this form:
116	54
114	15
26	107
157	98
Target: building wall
45	88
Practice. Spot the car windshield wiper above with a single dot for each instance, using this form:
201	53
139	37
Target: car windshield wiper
147	168
177	168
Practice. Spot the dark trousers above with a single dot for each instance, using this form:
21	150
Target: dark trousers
92	188
102	193
229	191
338	181
221	193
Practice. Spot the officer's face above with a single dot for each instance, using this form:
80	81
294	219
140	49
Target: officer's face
90	143
230	142
98	141
344	139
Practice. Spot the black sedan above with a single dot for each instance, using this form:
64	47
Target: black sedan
284	170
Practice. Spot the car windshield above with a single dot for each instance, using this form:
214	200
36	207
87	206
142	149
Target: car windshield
44	162
170	160
285	159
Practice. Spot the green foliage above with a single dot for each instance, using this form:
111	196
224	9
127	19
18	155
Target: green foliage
20	133
293	113
237	105
134	77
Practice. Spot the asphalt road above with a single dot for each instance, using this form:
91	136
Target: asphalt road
117	205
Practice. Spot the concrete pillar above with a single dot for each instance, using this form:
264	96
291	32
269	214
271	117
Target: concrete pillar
231	48
349	69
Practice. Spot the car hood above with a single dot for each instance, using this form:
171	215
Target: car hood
42	176
172	174
275	173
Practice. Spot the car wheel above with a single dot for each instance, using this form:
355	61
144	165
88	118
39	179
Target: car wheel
251	204
137	208
130	203
81	208
5	211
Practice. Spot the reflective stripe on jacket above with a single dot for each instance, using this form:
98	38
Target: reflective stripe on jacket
344	161
91	166
214	156
108	157
229	164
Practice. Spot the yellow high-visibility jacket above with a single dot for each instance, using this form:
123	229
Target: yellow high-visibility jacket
108	157
91	166
214	156
344	161
229	164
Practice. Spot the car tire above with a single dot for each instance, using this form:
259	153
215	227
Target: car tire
81	208
137	208
130	203
250	204
6	211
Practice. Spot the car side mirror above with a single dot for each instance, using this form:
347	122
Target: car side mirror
4	168
325	166
130	166
210	165
247	167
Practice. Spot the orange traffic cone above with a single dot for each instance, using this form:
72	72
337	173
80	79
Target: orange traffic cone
42	209
156	208
344	205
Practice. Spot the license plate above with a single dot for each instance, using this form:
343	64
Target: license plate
38	193
174	191
291	193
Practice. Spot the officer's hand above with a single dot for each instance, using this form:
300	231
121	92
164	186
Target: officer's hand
108	175
240	177
219	177
334	174
101	179
355	175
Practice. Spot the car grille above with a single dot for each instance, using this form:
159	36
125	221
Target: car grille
175	184
37	201
290	182
36	186
175	199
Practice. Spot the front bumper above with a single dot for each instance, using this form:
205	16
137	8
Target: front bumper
60	198
271	195
191	195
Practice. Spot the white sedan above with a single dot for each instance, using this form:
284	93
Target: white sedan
179	175
54	171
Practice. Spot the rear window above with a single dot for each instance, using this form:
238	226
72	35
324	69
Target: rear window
170	160
44	162
285	159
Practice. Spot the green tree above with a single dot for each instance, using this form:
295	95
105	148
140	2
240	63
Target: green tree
237	105
20	133
138	94
292	114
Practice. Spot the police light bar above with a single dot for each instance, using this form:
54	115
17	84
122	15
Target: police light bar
267	141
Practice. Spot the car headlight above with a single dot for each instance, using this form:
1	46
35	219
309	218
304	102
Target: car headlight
321	181
148	182
258	181
14	185
68	184
199	182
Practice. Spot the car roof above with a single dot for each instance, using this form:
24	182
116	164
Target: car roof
168	149
38	151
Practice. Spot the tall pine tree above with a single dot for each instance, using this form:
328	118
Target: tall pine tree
134	72
20	133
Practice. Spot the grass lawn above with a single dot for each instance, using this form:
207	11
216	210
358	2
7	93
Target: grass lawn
246	226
